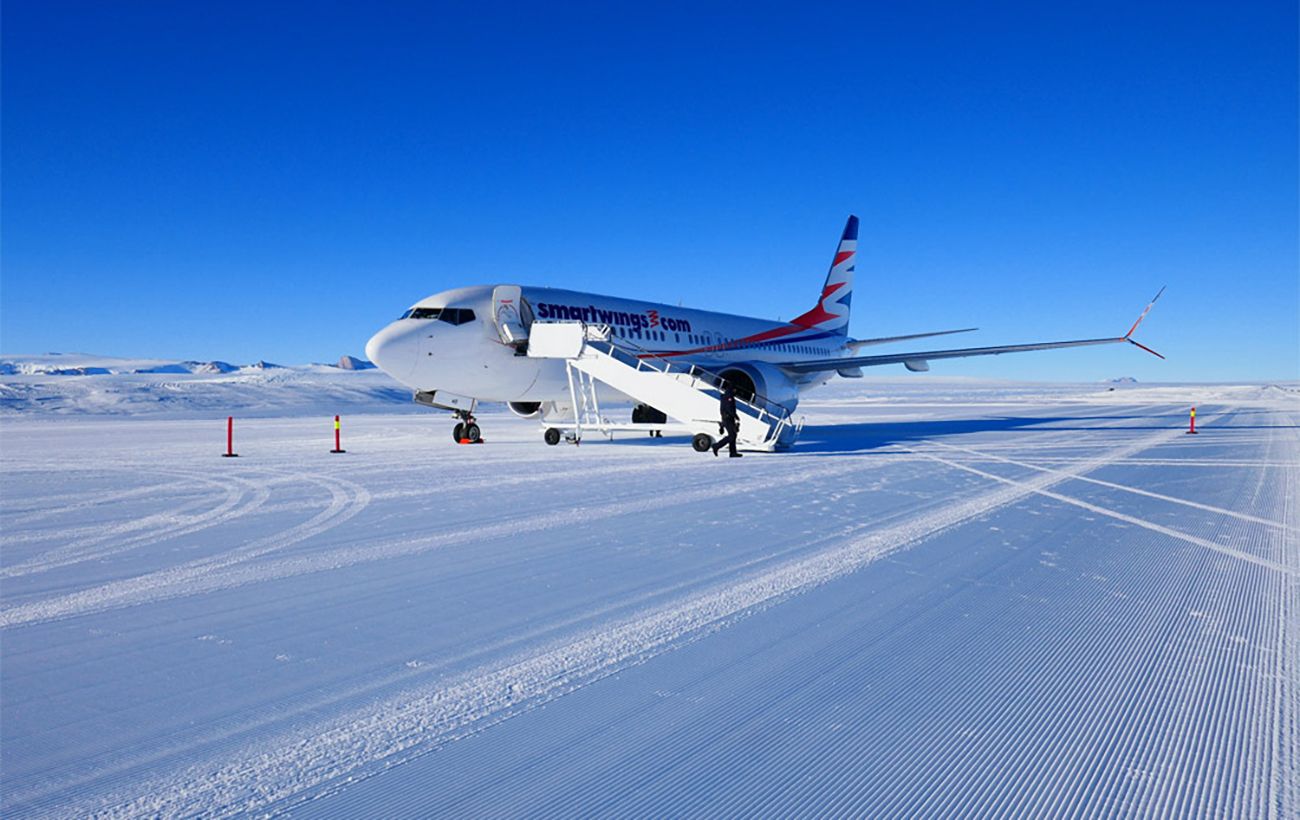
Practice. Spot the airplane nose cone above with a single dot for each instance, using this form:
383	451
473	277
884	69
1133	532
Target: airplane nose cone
394	350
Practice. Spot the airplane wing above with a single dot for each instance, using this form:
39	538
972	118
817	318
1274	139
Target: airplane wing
919	360
857	343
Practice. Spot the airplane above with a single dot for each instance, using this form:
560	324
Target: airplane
468	345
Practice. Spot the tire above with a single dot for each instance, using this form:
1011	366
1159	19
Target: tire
552	436
457	432
702	442
472	432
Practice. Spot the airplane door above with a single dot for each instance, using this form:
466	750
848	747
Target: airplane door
512	316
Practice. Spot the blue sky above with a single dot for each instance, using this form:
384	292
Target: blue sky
245	181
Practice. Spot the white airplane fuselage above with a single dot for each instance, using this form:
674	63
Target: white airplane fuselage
467	356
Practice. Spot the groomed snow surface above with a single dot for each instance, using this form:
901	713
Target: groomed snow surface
949	599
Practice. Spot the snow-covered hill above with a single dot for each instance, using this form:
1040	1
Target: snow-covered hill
72	383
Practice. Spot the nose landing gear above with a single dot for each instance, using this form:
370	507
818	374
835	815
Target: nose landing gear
466	430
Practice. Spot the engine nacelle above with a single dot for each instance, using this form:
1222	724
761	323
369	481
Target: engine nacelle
525	409
766	380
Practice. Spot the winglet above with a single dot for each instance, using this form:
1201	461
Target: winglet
1144	313
1128	337
1144	347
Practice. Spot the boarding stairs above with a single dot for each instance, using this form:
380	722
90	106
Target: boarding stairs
686	393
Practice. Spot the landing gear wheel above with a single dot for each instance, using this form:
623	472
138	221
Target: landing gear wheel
552	436
457	432
472	433
702	442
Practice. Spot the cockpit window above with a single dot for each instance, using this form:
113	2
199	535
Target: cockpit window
457	316
454	316
421	313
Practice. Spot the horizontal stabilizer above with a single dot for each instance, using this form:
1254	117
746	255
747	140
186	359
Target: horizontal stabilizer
858	343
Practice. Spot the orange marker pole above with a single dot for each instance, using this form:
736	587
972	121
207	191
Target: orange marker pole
230	439
338	448
1191	428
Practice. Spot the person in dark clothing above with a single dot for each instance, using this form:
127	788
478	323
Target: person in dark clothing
730	421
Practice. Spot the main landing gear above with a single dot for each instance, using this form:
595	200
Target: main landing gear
466	430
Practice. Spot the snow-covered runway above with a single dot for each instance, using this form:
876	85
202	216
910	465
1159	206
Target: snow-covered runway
1056	604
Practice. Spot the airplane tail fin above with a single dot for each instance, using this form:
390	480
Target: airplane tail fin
832	311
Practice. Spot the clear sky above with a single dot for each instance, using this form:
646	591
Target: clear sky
278	180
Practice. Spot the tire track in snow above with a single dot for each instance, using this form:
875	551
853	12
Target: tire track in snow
347	499
172	526
385	733
87	535
1124	487
234	569
1128	519
80	503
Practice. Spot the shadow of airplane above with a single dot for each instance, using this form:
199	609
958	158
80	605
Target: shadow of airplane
866	436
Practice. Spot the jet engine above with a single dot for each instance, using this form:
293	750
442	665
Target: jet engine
525	409
765	380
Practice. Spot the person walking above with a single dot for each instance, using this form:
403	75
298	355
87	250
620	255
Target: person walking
730	421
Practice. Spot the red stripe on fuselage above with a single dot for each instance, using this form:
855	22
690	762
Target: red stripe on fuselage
767	335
